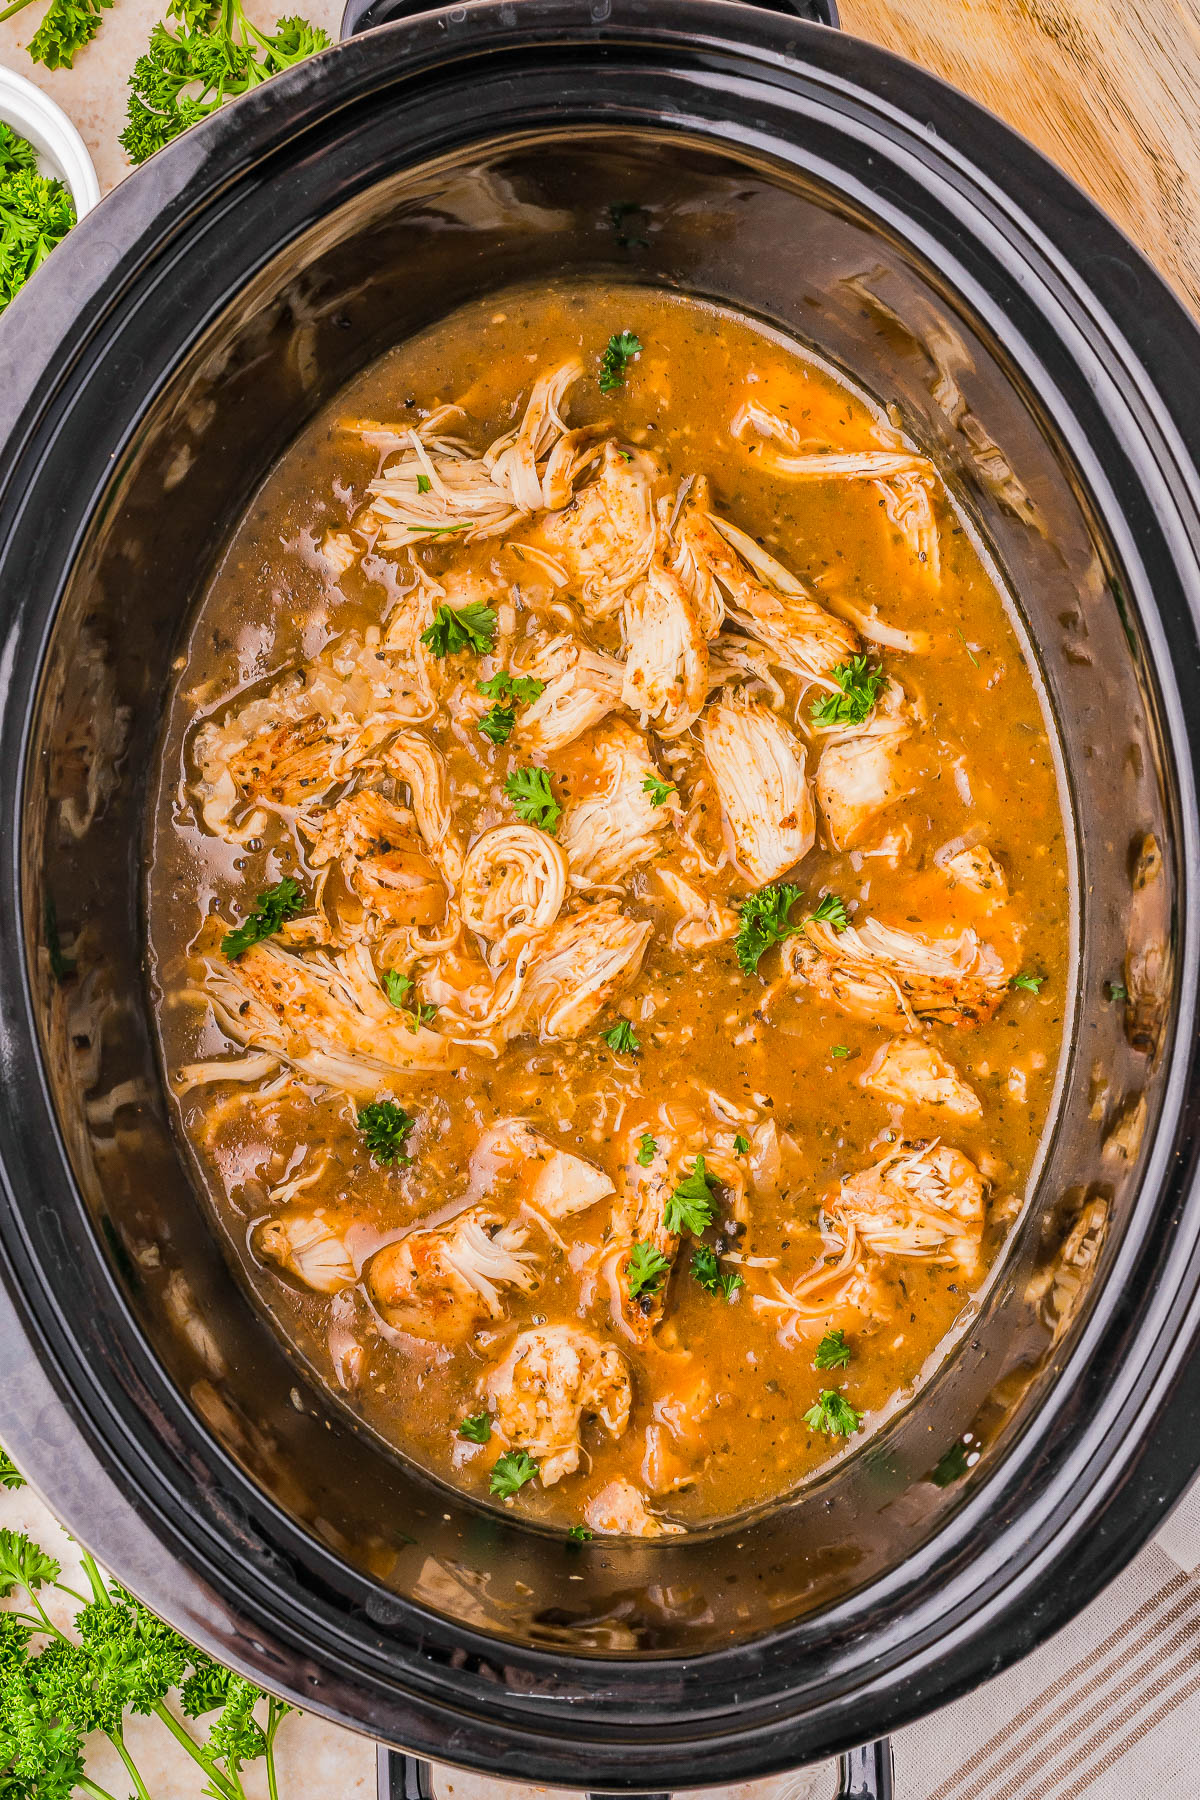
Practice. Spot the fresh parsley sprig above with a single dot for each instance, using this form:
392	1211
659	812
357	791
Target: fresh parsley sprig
858	689
646	1270
659	791
833	1352
1030	983
476	1428
36	213
458	628
276	905
833	1414
533	799
647	1150
712	1278
622	347
690	1207
511	1471
215	54
385	1128
765	920
622	1038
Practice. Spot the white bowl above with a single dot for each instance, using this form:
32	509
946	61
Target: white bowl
60	149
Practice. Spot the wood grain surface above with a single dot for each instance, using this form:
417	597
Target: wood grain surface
1109	88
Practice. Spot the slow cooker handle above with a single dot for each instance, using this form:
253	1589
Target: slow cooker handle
863	1774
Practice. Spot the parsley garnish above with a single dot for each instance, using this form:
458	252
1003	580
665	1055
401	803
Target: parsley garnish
690	1207
647	1151
659	791
764	921
1117	990
385	1127
497	723
740	1145
10	1475
396	986
709	1274
833	1414
622	1038
623	346
420	1015
457	628
36	212
840	1050
831	911
423	484
215	54
276	905
858	690
476	1428
833	1352
579	1534
529	791
511	1471
503	686
646	1270
1030	983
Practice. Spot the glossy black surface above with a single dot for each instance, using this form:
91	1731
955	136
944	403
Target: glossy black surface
147	379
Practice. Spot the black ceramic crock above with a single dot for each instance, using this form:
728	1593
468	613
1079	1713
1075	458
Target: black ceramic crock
149	377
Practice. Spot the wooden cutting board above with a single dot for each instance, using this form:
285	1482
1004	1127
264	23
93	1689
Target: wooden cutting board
1110	89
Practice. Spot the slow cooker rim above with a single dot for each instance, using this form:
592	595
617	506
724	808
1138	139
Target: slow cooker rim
706	7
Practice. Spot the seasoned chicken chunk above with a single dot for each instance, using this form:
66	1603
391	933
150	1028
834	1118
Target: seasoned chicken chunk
605	538
611	826
977	869
619	1510
582	687
861	771
915	1073
921	1200
323	1014
897	978
758	766
553	1182
666	664
375	844
445	1282
702	920
311	1245
640	1217
553	1378
514	879
583	960
421	766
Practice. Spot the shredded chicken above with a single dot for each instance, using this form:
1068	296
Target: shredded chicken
924	1201
514	879
582	687
915	1073
553	1378
606	537
758	766
579	965
975	867
896	978
310	1245
703	921
639	1217
554	1183
861	772
666	664
422	768
619	1510
612	826
446	1282
374	842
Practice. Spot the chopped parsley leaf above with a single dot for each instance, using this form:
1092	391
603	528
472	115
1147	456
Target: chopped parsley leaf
1117	990
503	686
646	1270
690	1207
740	1145
764	921
476	1428
647	1151
420	1015
457	628
659	791
533	801
833	1414
423	484
622	1038
396	986
1030	983
276	905
579	1534
511	1471
385	1127
831	911
712	1278
623	346
833	1352
497	723
840	1050
858	690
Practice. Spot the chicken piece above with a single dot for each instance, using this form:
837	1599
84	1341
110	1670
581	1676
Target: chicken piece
582	687
916	1074
640	1217
975	868
553	1378
610	826
619	1510
288	764
756	425
703	921
583	960
758	766
435	484
552	1182
443	1284
606	537
323	1014
861	771
763	597
374	843
412	759
666	666
922	1200
339	552
514	879
311	1245
897	979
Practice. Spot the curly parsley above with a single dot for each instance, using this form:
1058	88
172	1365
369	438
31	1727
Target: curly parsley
498	722
690	1207
1030	983
622	347
532	798
276	905
36	213
458	628
385	1128
764	921
833	1352
857	691
511	1471
831	910
833	1414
